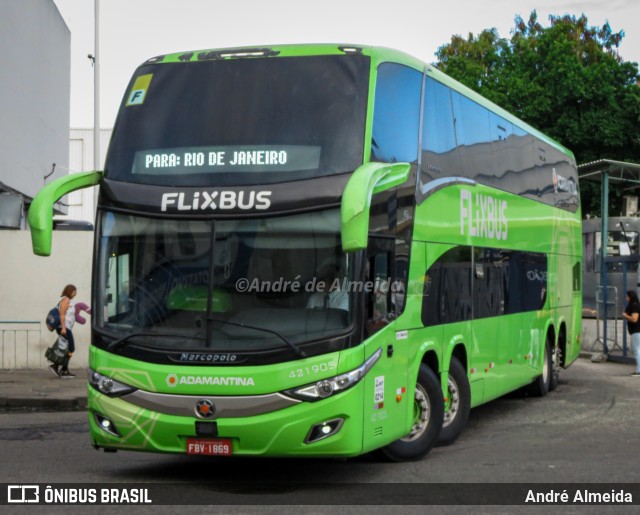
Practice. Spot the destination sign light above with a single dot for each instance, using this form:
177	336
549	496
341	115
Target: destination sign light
239	158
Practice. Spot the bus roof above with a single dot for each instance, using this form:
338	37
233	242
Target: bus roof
377	54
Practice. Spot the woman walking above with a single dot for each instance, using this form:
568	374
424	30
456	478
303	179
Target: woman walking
67	319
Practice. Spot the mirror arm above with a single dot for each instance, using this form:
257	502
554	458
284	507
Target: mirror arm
366	181
40	215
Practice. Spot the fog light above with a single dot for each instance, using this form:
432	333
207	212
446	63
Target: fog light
106	425
324	430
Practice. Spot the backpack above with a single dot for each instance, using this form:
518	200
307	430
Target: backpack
57	353
53	319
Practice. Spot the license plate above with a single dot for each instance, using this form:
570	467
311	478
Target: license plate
209	446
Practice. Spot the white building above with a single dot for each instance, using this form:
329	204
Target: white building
35	73
81	204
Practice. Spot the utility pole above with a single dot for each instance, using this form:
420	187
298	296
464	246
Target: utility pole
96	98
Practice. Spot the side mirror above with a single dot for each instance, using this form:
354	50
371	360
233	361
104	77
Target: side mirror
40	215
366	181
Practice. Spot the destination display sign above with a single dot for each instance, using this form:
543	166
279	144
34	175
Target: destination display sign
241	158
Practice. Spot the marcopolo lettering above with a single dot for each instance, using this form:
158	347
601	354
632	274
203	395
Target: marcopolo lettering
215	200
216	358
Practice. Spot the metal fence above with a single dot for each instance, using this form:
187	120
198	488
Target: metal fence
20	345
607	319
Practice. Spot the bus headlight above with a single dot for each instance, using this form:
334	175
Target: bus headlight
327	387
106	385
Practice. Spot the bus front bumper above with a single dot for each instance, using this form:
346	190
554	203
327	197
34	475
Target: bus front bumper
118	424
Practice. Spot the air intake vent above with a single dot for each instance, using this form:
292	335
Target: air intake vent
377	432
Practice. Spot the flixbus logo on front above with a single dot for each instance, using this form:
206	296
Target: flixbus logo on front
483	216
215	200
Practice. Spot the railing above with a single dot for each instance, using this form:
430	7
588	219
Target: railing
20	345
607	318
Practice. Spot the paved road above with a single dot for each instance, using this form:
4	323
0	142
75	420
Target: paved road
587	430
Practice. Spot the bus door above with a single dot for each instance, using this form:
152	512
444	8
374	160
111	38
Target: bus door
387	393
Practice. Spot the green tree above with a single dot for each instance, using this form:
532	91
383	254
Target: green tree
566	79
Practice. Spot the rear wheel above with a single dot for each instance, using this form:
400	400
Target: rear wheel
428	414
540	387
458	403
556	359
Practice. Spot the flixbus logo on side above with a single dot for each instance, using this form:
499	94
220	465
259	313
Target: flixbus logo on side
483	216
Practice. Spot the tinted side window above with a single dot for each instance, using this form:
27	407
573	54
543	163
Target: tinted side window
396	114
496	282
535	280
490	273
439	156
527	281
501	141
473	133
462	138
447	289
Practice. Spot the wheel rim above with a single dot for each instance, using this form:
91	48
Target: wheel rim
453	403
421	414
545	366
555	364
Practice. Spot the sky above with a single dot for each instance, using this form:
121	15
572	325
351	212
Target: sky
132	31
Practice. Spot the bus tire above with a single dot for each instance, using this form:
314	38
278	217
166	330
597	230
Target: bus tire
459	401
428	409
540	387
556	358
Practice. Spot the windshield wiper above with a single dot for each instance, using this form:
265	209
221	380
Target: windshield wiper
121	341
292	345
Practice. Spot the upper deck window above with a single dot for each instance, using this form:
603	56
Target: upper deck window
244	121
396	114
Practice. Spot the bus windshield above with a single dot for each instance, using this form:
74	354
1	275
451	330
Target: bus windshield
225	285
242	121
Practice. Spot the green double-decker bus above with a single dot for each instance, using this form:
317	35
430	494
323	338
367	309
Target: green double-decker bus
320	250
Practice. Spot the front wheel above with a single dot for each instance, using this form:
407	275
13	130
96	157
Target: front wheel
458	403
428	415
